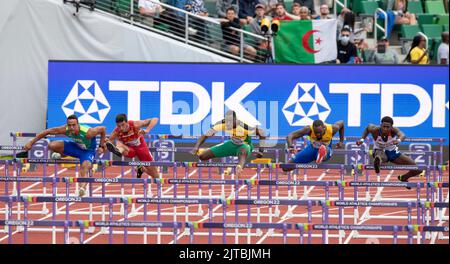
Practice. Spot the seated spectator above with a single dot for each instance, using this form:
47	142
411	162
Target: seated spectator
222	5
231	37
270	6
362	48
346	51
384	54
154	15
324	12
150	11
180	4
418	54
442	56
247	11
281	13
401	15
309	4
198	7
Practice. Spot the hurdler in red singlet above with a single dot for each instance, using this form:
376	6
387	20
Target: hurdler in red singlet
131	142
133	139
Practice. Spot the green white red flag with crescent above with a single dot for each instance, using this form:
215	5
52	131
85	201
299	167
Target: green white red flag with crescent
306	41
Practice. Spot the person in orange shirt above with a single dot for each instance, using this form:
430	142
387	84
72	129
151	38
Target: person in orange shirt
418	54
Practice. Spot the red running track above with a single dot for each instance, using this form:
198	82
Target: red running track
298	214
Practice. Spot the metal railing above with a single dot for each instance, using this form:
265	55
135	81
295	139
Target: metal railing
376	26
200	31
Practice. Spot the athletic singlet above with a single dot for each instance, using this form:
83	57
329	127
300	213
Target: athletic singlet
326	138
386	143
239	135
131	137
81	139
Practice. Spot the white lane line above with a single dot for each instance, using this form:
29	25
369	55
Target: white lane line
138	209
435	234
206	216
366	212
63	207
284	217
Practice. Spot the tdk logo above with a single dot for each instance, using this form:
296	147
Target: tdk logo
206	103
305	104
87	101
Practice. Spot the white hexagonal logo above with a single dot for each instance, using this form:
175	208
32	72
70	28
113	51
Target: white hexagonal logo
306	104
87	101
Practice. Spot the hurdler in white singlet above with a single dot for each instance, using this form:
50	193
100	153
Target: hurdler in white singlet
385	145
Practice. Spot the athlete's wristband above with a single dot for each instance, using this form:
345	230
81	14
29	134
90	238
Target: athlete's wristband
361	140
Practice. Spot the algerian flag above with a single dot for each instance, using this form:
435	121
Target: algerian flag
306	41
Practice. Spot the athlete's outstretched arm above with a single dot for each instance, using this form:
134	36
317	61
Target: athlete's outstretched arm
61	130
112	136
369	129
297	134
211	132
200	141
339	126
149	123
400	135
95	131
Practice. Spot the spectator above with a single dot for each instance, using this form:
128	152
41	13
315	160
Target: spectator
304	13
198	7
154	15
324	12
295	12
384	54
281	13
255	26
222	5
309	4
270	6
346	51
401	15
442	56
347	20
181	4
231	36
418	54
247	11
295	9
150	11
340	20
361	49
